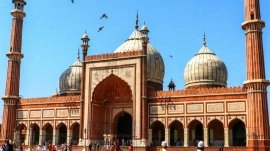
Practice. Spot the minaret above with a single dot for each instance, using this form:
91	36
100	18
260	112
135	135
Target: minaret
144	112
83	128
14	55
256	84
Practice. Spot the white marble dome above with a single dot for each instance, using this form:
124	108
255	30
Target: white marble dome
70	80
155	64
205	69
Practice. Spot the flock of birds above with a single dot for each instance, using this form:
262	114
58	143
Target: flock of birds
103	16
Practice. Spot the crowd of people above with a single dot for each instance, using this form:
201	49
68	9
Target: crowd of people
9	147
50	147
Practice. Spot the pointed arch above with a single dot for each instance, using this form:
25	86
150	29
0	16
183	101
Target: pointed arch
62	133
195	132
47	133
74	130
215	133
158	133
21	132
176	133
122	126
112	89
237	133
35	134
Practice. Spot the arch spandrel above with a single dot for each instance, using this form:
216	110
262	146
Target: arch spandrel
190	120
60	123
46	125
35	123
127	74
118	111
233	119
72	123
176	119
112	88
212	118
154	120
22	125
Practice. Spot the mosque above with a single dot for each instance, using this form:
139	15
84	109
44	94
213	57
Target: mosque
120	96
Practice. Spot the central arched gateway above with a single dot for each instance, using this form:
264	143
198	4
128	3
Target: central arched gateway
112	103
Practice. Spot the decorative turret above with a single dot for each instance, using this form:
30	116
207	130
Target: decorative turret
171	85
85	39
144	30
14	55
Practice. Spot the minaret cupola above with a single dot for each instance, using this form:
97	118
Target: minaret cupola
85	39
19	4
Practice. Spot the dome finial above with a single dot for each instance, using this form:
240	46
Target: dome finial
78	54
204	39
137	21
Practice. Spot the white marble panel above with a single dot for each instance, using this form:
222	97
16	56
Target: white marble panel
194	108
176	108
22	114
48	113
236	106
157	109
215	107
62	113
35	113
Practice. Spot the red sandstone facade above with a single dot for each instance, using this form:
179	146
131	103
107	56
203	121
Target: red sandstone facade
121	97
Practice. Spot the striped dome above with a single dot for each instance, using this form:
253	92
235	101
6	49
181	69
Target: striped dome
70	80
205	69
155	64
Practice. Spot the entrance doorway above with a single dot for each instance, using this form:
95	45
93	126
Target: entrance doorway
124	128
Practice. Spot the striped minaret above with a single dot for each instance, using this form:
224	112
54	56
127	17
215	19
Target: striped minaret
256	84
14	55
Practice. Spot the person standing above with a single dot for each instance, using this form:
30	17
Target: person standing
221	147
9	147
200	146
90	147
70	145
20	148
164	146
130	147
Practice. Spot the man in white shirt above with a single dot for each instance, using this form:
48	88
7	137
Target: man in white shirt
164	146
200	146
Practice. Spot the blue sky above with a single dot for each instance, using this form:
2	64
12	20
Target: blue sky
52	31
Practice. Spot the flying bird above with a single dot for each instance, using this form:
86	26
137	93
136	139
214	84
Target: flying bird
72	1
103	16
171	56
100	28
